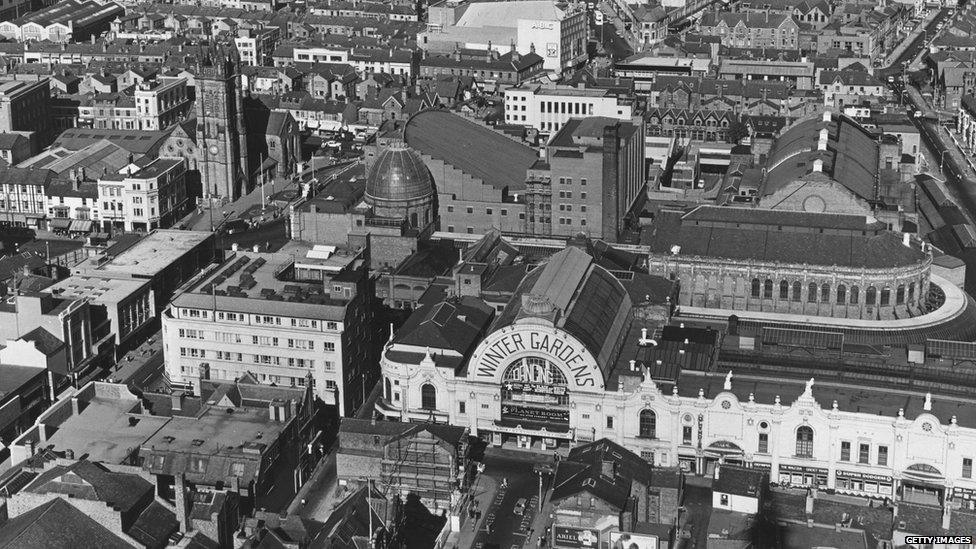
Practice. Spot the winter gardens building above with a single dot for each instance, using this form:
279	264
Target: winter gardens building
585	350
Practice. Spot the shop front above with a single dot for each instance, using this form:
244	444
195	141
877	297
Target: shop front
534	405
863	484
799	475
966	497
723	452
923	483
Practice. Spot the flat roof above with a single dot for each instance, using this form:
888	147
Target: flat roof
150	255
220	432
249	282
98	289
102	430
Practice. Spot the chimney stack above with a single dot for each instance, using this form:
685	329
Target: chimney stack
182	503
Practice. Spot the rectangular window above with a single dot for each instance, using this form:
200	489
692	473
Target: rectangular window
461	409
686	434
845	451
864	453
763	443
609	422
967	467
882	455
329	346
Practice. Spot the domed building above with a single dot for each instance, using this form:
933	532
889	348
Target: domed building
399	186
391	206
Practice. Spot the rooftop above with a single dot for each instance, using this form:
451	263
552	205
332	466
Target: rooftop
99	290
746	234
149	256
102	429
262	282
474	149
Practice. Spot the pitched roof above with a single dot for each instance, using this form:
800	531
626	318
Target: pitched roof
87	480
57	523
602	468
43	340
753	234
455	324
474	149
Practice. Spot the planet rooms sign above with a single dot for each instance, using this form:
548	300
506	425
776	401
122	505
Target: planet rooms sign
500	349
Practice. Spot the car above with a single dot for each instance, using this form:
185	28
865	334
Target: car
520	507
333	144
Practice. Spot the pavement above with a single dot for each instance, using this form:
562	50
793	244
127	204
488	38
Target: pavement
512	474
321	492
916	39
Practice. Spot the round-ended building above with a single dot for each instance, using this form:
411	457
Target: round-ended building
399	186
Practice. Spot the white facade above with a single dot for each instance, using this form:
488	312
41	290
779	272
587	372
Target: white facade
143	198
530	374
276	349
547	108
161	103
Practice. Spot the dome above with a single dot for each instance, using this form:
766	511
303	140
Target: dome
398	174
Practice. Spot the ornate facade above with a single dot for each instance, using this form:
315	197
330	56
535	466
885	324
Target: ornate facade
221	136
743	259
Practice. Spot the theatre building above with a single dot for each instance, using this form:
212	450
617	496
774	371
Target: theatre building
582	352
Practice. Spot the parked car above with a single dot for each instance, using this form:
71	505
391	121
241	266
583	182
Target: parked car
520	507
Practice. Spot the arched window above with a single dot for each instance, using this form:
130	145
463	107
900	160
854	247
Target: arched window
755	287
885	296
871	296
797	291
428	397
389	389
784	289
804	441
413	219
812	292
825	293
911	292
841	294
768	289
900	294
648	424
855	295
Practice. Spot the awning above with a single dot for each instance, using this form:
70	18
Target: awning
101	236
60	223
81	226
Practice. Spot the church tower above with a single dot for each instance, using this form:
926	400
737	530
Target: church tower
221	134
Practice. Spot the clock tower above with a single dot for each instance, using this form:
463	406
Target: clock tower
221	134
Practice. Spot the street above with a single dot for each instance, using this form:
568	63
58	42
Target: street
913	49
507	529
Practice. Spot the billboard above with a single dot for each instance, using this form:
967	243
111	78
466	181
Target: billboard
527	413
623	540
575	538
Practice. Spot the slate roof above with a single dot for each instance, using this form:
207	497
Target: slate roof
851	156
121	491
154	525
771	236
456	324
470	147
57	524
44	341
740	481
583	471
